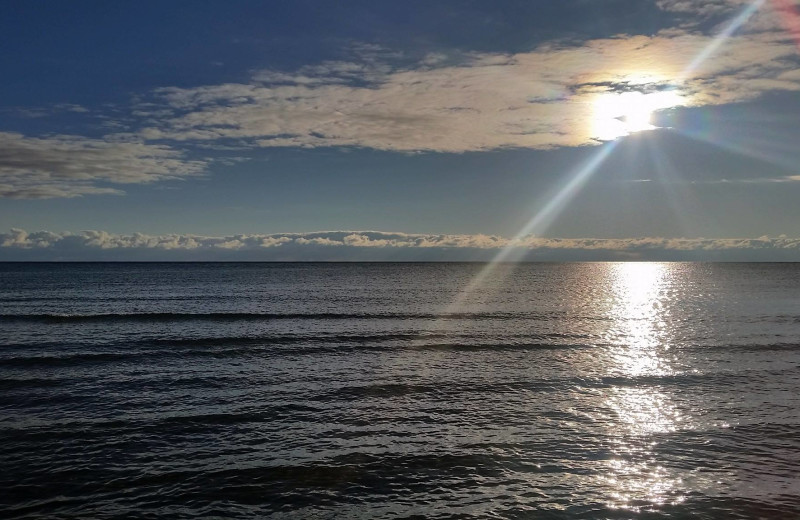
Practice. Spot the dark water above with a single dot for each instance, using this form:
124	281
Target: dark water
385	391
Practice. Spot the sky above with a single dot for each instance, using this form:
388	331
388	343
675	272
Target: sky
414	130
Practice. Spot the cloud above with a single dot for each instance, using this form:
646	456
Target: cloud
768	16
39	112
756	180
701	8
71	166
18	244
541	99
377	98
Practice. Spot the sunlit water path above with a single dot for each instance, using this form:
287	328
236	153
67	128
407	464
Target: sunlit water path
629	390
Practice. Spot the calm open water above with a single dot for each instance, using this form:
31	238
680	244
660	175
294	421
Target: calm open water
596	390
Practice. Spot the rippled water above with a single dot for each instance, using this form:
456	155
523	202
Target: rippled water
625	390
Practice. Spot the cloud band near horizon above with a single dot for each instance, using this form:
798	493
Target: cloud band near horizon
18	244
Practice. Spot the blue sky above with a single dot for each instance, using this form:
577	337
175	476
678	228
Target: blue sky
579	129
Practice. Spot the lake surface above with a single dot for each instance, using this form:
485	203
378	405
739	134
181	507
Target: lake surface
585	390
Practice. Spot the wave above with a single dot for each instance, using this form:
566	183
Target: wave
744	347
256	349
555	384
258	316
264	346
432	340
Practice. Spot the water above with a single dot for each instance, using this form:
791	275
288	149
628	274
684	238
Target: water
363	391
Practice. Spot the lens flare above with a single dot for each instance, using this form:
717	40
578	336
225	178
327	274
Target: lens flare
539	223
632	112
789	14
721	38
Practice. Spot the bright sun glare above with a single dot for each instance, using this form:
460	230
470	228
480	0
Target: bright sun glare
620	114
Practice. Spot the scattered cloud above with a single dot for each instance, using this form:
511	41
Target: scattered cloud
374	245
541	99
71	107
39	112
378	98
701	8
71	166
754	180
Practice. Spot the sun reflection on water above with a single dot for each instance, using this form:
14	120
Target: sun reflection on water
639	319
639	412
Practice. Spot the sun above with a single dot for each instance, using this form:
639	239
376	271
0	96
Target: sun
637	114
620	114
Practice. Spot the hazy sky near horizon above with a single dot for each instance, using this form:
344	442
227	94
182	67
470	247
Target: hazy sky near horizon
668	125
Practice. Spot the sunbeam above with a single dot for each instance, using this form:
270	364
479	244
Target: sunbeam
376	259
721	38
789	17
540	221
544	217
751	147
664	169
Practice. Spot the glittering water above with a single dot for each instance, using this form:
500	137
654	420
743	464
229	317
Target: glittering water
624	390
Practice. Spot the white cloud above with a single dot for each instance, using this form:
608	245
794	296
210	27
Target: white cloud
701	8
540	99
70	166
370	245
545	98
